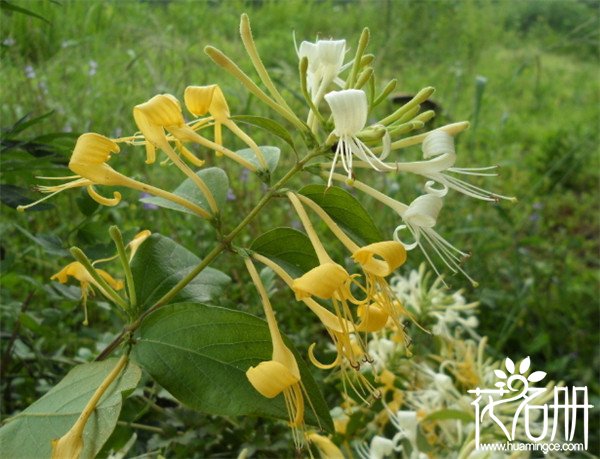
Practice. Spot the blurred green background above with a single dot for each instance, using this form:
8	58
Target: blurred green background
525	73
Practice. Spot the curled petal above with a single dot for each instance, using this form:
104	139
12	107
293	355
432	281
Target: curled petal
407	245
271	378
317	363
441	192
392	254
437	143
89	158
322	281
109	202
423	211
373	318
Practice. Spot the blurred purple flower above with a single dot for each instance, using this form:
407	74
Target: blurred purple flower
230	195
67	127
9	41
29	72
148	205
244	175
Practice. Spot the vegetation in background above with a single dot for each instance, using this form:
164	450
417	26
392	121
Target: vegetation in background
525	73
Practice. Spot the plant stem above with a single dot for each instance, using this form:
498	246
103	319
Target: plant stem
214	253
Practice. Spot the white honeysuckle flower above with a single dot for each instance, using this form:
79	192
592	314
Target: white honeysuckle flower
325	63
439	145
380	447
349	109
419	218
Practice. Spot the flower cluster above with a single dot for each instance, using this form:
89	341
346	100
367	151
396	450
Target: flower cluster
426	410
161	126
364	314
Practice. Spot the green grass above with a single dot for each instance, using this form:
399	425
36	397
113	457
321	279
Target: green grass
538	117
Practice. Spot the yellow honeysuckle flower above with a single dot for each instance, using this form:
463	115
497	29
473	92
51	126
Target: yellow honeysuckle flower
163	113
327	449
392	255
90	161
201	100
280	374
324	282
342	333
331	281
377	261
78	271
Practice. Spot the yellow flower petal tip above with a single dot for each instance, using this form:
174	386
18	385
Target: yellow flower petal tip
381	258
322	281
271	378
160	110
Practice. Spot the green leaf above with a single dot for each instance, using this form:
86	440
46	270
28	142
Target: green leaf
442	415
86	204
271	155
200	354
25	123
289	248
160	263
216	180
346	211
51	243
29	434
14	196
4	5
269	125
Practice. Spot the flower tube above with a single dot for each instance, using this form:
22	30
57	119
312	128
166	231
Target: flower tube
280	374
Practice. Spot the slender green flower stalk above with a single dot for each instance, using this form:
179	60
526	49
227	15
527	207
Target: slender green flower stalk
117	237
227	64
248	40
363	42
